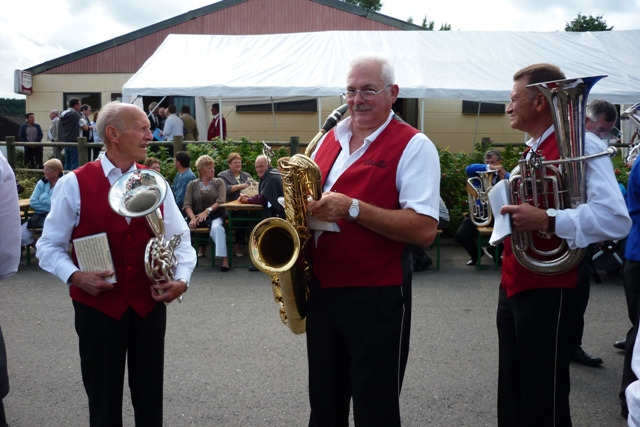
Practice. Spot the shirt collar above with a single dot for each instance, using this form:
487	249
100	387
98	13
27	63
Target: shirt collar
344	133
111	172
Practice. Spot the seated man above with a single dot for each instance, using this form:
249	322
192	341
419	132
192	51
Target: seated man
183	177
467	234
422	261
270	189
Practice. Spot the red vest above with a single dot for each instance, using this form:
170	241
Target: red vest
127	243
516	278
358	256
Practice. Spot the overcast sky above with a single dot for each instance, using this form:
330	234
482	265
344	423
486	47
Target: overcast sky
41	30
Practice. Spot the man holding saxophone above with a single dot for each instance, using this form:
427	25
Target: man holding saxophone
536	311
123	319
381	180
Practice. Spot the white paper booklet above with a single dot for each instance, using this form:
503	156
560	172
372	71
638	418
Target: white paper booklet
93	254
498	197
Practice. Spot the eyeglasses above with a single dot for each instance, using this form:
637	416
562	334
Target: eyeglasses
367	94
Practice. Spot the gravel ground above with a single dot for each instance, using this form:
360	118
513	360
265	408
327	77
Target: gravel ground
230	362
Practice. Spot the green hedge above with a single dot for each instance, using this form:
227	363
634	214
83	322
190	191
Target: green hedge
452	183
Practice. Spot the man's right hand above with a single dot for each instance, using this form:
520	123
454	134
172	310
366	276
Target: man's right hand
92	282
243	198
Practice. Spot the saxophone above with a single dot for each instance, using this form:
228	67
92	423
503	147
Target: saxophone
276	246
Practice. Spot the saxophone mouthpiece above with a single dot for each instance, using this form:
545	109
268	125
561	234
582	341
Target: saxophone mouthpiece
334	117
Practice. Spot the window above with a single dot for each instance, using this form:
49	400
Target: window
471	107
306	106
89	98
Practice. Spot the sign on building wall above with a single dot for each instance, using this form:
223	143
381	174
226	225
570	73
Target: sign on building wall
22	82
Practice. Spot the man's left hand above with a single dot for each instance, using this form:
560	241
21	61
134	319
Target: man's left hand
525	217
172	290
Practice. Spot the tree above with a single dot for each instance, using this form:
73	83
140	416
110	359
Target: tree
587	23
427	23
373	5
445	27
13	107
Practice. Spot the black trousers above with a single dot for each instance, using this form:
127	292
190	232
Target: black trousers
535	330
467	237
4	379
33	157
358	346
582	300
105	345
631	281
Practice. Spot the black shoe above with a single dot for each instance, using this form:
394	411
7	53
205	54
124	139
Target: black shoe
620	344
423	264
253	268
472	262
581	357
224	269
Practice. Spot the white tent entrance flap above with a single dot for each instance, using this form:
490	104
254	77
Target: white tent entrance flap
474	66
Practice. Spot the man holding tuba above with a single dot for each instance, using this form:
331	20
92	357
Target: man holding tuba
536	311
467	233
381	180
125	320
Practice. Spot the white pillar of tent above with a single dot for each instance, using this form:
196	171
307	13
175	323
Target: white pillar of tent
202	117
273	115
319	113
422	115
221	121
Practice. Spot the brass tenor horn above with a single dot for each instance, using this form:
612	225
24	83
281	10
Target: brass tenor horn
478	188
276	246
541	183
633	115
138	193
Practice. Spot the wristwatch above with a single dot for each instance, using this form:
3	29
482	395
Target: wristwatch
552	214
354	210
186	282
209	209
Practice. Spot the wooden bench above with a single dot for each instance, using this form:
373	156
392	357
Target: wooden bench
484	234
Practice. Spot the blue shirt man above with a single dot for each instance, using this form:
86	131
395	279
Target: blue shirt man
184	176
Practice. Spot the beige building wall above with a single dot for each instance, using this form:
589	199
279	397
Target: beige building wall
444	122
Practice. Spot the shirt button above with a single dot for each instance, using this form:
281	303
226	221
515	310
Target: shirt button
129	268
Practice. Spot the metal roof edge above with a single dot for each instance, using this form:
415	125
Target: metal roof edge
369	14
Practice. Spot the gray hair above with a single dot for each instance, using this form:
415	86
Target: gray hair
375	59
262	156
493	153
54	111
113	114
599	107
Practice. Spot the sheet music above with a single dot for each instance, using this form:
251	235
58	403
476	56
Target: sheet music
498	197
93	254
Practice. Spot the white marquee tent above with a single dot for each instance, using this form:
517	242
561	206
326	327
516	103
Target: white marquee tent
475	66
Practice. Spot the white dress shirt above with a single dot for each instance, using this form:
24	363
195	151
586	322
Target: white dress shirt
173	126
418	173
604	216
53	246
9	221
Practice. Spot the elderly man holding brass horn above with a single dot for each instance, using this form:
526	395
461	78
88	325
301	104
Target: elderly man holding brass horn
537	296
381	181
120	319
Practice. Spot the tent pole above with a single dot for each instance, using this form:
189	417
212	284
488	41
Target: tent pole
422	115
475	133
273	114
319	113
221	121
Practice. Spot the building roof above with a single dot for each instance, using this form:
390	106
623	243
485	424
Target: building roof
127	53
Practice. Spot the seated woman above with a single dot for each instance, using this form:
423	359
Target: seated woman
235	180
202	200
41	197
153	163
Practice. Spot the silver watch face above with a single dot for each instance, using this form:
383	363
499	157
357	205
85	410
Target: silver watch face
353	211
552	212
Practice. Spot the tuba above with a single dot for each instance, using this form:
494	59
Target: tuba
633	114
140	192
276	246
560	183
478	190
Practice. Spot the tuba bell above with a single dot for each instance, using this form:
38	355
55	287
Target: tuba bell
276	246
478	191
633	115
560	183
138	193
